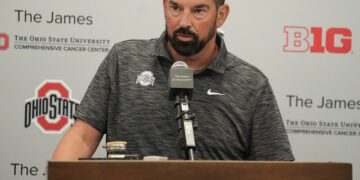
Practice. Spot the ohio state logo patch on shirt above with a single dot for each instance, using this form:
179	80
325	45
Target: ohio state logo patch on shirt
146	78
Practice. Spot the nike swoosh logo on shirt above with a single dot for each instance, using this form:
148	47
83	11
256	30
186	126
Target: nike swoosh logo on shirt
210	93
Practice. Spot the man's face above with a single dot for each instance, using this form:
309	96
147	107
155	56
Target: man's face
190	24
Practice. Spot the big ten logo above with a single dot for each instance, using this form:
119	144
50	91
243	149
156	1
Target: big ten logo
4	41
52	107
317	39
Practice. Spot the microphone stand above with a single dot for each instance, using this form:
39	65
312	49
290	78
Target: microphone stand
185	124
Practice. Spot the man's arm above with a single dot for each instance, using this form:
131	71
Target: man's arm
80	141
269	140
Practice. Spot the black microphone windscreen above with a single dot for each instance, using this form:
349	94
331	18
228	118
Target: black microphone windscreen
181	80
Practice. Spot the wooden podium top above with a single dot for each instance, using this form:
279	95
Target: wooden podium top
207	170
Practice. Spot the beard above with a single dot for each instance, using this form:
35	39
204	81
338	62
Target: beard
189	48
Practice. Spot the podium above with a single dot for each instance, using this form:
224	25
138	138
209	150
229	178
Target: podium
204	170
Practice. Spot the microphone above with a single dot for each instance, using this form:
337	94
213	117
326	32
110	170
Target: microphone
181	81
181	85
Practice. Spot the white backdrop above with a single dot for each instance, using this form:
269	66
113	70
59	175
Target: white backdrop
30	61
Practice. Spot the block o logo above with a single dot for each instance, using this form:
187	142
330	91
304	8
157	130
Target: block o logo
302	39
4	41
52	107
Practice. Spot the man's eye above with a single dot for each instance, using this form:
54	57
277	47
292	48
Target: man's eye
175	8
199	11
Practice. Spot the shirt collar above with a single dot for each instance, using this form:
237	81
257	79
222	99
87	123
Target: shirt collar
217	65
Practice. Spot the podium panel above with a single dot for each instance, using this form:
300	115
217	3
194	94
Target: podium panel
205	170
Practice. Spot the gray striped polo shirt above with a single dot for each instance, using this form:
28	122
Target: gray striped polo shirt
235	108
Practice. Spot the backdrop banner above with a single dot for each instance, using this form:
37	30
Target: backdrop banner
50	51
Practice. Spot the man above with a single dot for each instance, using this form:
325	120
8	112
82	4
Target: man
236	112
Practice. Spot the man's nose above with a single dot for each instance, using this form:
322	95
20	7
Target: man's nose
186	20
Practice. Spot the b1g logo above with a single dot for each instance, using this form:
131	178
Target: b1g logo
4	41
52	108
317	40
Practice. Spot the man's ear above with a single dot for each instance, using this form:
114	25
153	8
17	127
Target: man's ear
165	2
164	7
223	13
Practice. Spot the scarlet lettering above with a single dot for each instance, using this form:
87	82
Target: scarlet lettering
337	40
296	39
345	39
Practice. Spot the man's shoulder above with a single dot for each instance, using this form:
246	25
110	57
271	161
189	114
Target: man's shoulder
138	45
238	66
132	50
132	54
